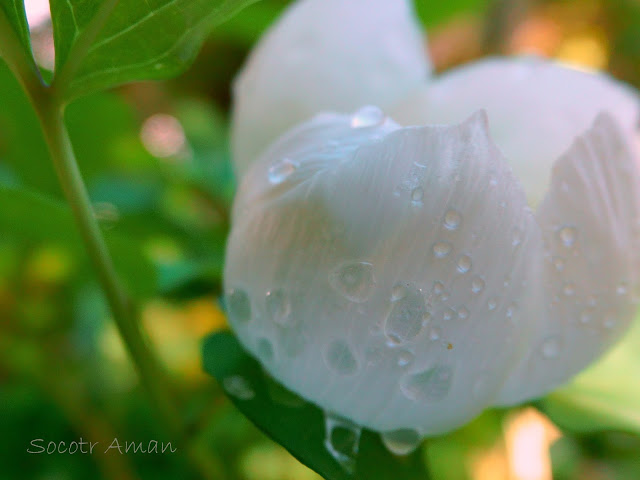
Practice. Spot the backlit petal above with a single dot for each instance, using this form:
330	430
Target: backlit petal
325	55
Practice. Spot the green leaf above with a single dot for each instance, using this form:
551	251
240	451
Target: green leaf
29	215
298	425
606	396
110	42
14	12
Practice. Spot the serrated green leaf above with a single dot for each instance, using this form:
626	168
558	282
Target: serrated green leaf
25	214
139	39
606	396
15	14
298	425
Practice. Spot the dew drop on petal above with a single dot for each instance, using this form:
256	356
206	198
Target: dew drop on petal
438	288
569	289
464	263
452	219
434	334
339	358
398	292
441	249
401	442
431	385
448	314
265	349
281	170
622	289
368	116
492	304
477	285
239	305
558	263
342	440
238	387
463	313
405	357
417	194
516	237
550	347
279	308
354	281
568	236
406	316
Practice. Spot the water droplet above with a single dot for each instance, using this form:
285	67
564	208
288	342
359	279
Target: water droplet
569	289
406	316
452	219
238	387
426	318
622	289
417	194
405	357
551	347
354	281
282	170
558	263
464	263
511	310
448	314
609	321
434	334
398	292
401	442
265	349
430	385
279	308
340	359
438	288
477	285
368	116
492	303
568	236
516	237
463	313
342	440
239	305
585	316
441	249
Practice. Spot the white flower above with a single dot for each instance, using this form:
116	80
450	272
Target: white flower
398	276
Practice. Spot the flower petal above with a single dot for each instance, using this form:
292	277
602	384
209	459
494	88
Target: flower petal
536	109
382	269
589	221
325	55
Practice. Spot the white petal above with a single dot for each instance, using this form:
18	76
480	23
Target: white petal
536	109
325	55
589	221
383	268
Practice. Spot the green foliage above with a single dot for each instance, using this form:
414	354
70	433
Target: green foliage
603	397
14	11
112	42
298	425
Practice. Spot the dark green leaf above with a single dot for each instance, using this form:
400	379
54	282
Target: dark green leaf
25	214
299	425
139	39
14	11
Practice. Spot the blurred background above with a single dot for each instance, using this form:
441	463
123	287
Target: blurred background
155	158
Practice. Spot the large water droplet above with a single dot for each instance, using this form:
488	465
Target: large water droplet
435	333
239	305
238	387
339	358
428	386
406	316
464	263
441	249
398	292
568	236
452	219
550	347
342	440
401	442
282	170
353	281
477	285
463	313
279	308
368	116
